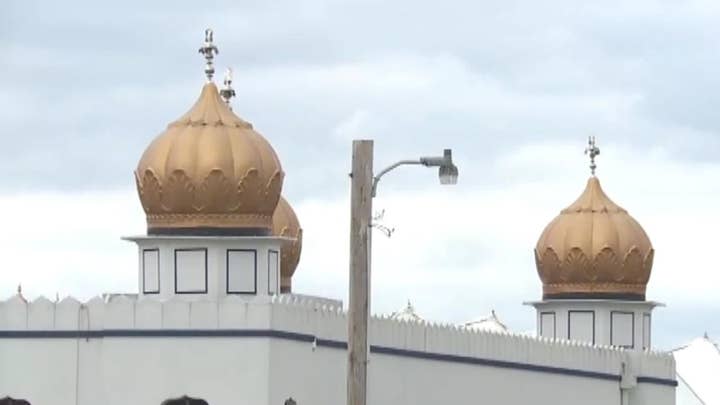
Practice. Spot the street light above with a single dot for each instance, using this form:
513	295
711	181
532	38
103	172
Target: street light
363	189
447	171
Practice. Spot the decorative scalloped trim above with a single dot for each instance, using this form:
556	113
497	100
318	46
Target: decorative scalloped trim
216	194
605	273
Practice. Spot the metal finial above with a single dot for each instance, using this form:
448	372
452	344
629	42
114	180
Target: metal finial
19	289
227	92
209	50
592	150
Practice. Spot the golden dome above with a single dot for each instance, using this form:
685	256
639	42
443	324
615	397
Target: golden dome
285	223
594	249
209	172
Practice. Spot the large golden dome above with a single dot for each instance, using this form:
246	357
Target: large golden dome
285	223
594	249
209	172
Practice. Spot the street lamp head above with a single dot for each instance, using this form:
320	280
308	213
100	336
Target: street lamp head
448	172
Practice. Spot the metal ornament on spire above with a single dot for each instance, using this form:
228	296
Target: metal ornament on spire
592	150
209	50
227	92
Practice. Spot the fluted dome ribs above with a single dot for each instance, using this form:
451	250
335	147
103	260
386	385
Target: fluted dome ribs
209	172
594	248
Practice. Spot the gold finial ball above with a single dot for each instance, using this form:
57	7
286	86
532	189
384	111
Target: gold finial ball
209	173
285	223
594	249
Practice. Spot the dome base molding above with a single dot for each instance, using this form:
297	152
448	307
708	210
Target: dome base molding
595	290
208	231
226	221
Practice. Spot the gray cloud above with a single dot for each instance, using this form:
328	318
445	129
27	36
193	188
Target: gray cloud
479	76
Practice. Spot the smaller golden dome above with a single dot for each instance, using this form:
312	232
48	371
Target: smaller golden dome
285	223
209	172
594	249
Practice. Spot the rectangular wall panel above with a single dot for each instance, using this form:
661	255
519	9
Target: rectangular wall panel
273	271
547	325
581	326
151	271
622	331
191	271
241	271
646	331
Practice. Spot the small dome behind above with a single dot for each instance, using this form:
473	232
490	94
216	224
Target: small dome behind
407	314
209	173
594	249
285	223
490	323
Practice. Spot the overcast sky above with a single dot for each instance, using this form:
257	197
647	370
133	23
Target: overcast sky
513	87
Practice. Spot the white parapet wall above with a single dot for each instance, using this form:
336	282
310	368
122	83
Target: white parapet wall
262	350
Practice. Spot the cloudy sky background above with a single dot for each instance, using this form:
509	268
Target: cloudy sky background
513	87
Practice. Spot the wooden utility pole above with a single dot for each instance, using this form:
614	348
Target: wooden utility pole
358	311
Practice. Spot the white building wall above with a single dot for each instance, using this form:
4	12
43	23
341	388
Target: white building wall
646	394
400	371
261	350
319	379
118	371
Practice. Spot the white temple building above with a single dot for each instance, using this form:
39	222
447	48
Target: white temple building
698	371
215	319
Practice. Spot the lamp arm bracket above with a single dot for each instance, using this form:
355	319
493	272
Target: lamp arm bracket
376	178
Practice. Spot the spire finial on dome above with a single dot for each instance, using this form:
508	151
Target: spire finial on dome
227	92
592	150
209	50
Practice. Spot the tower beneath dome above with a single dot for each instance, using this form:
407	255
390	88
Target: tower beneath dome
210	186
594	261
